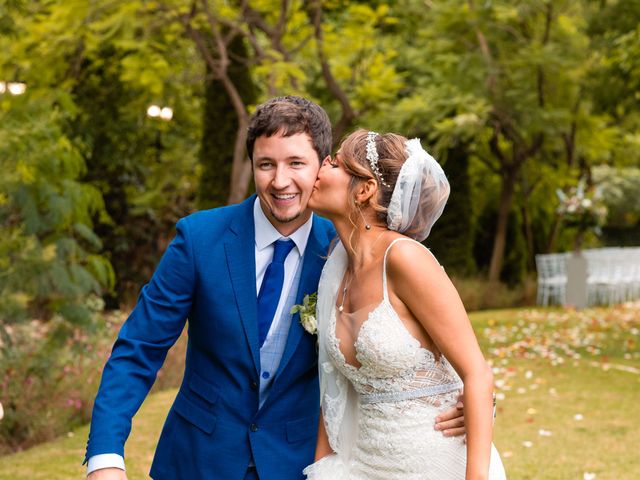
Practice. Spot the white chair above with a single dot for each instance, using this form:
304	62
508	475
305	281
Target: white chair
552	278
614	275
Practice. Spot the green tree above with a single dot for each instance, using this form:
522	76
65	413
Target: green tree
511	76
50	261
327	52
114	61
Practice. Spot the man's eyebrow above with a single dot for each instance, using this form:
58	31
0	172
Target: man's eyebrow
269	158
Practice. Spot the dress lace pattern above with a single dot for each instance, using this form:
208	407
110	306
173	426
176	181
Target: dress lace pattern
400	387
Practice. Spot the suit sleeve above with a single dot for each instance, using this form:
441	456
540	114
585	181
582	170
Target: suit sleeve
142	345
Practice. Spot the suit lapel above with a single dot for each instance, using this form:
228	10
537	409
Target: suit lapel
240	251
314	258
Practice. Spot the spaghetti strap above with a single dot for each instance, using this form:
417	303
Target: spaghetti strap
384	263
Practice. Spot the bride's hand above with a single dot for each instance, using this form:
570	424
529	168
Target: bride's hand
451	422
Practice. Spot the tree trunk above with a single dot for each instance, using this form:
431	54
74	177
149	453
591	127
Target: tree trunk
553	235
506	198
528	235
218	60
219	125
241	169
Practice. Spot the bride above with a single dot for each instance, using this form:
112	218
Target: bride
395	343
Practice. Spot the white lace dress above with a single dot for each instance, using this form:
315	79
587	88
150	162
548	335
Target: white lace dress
380	415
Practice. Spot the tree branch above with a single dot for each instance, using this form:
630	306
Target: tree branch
545	41
314	10
486	54
253	17
217	36
569	137
488	164
536	145
282	20
494	146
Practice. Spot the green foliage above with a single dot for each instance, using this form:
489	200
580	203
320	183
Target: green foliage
125	155
362	59
514	80
614	80
620	187
50	262
360	54
112	61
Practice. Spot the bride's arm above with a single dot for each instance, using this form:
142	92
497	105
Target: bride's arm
418	281
322	446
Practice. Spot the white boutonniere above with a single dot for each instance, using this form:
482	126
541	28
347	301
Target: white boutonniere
307	313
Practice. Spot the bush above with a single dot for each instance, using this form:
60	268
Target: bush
478	294
48	386
45	389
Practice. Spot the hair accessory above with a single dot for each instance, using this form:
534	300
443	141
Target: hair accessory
372	157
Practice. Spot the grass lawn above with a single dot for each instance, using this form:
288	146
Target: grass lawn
568	385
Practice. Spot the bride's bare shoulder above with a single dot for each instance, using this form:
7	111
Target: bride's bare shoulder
408	253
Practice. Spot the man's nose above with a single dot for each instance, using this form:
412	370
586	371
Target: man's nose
281	179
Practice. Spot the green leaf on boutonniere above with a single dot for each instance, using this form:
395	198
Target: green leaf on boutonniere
307	313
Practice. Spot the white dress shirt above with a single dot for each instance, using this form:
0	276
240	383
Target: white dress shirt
265	234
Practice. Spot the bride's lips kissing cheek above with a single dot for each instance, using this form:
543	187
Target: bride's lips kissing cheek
330	190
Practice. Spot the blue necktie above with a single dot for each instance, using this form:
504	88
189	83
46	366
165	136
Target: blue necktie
271	287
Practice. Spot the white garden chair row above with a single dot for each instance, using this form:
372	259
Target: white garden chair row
613	276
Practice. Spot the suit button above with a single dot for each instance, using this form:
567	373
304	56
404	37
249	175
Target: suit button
254	386
254	427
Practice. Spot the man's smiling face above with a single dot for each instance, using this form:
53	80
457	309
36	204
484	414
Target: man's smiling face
285	170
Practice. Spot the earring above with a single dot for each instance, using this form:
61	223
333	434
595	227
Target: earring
366	225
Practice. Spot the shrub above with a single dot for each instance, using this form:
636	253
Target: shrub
48	386
478	294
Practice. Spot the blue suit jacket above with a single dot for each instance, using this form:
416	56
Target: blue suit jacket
215	425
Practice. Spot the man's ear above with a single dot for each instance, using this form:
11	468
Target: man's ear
366	190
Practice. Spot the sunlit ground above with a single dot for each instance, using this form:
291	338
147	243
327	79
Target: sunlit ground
568	387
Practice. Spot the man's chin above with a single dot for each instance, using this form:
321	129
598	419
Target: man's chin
287	219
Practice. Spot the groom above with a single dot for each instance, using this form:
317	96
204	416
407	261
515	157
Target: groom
249	401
